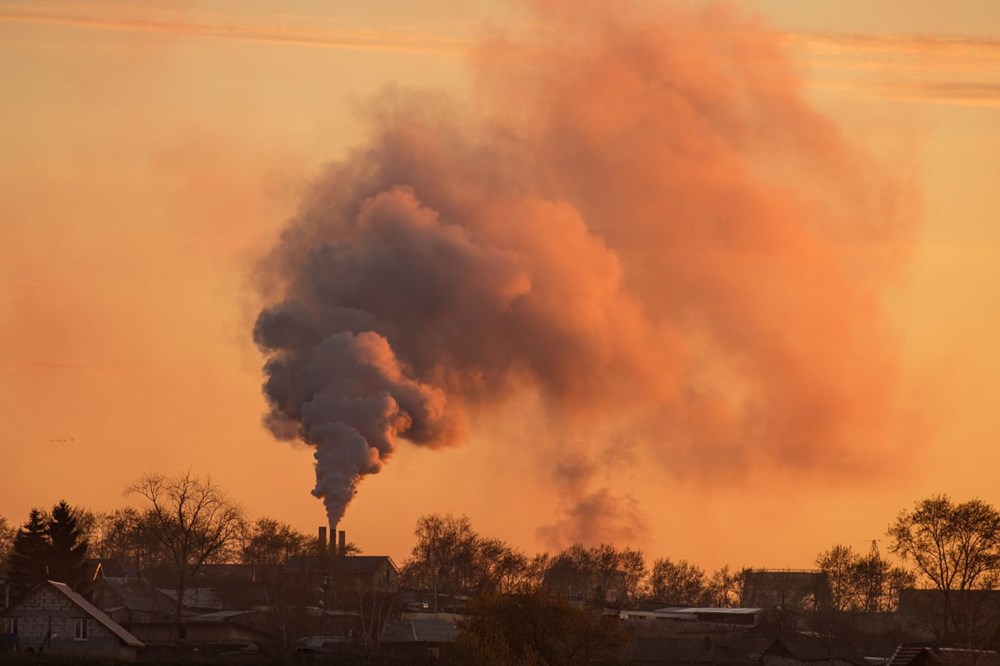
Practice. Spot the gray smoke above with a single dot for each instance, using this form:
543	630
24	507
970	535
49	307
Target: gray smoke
692	253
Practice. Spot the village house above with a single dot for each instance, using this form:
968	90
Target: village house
130	601
926	655
52	619
347	580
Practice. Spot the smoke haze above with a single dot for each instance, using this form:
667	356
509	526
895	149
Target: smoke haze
639	219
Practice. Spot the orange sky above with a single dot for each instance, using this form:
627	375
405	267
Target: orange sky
152	151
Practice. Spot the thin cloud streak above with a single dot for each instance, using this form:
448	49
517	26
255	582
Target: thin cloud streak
925	46
926	69
929	92
31	366
358	39
964	67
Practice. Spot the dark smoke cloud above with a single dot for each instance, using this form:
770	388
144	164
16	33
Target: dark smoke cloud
642	221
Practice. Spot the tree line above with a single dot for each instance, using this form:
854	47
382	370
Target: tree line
186	522
451	559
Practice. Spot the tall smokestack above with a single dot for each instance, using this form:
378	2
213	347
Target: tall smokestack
322	541
341	543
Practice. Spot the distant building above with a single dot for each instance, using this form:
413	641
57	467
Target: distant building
131	600
786	589
52	619
205	635
688	651
925	655
974	616
808	651
345	579
723	618
357	592
567	580
420	636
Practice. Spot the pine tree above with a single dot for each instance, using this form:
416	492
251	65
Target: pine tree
28	560
67	549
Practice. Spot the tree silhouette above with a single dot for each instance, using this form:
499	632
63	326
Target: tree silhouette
957	548
28	560
270	542
678	583
193	519
535	628
67	552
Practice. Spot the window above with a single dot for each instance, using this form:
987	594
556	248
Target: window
8	625
81	630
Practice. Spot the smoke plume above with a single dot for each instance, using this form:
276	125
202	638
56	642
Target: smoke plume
638	217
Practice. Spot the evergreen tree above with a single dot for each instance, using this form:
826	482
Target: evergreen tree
28	560
67	552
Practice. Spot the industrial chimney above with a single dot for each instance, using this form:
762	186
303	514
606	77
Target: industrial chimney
321	543
341	542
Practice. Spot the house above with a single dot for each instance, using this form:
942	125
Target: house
727	619
808	650
347	581
111	566
204	635
55	620
380	570
684	651
128	600
196	599
417	637
926	655
372	573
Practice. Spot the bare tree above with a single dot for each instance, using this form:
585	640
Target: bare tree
957	548
600	574
375	605
678	582
123	535
451	558
841	564
725	587
192	518
443	556
633	565
866	584
269	542
6	538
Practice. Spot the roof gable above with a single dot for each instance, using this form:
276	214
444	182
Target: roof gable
340	564
137	594
96	613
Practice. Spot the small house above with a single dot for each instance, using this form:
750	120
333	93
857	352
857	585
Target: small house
52	619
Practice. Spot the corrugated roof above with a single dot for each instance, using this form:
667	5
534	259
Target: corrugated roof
342	564
361	564
421	630
140	595
96	613
710	609
196	597
220	616
906	654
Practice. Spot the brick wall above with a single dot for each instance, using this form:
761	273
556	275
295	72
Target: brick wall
46	622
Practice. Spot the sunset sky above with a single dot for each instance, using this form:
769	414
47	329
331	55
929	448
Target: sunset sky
152	153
